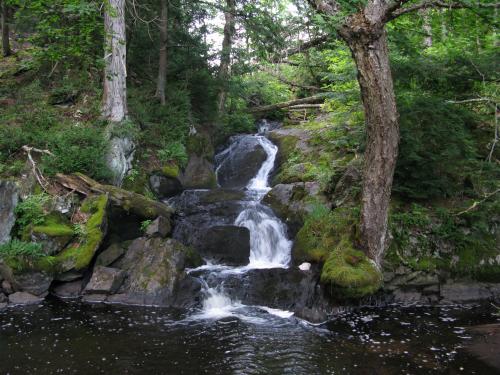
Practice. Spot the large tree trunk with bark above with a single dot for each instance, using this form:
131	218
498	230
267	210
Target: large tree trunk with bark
115	56
162	65
4	20
225	59
370	51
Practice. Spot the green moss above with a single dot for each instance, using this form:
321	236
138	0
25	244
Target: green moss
80	255
171	170
54	226
349	273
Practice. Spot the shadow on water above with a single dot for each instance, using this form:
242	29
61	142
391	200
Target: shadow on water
71	338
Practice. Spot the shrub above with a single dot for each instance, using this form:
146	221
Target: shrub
32	210
173	151
77	149
20	249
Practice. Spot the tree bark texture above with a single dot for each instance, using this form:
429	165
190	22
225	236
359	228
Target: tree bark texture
162	62
115	70
4	20
368	44
225	59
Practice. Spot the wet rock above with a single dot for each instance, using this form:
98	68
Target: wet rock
305	266
238	164
71	289
104	280
68	276
3	298
110	255
227	244
51	244
95	298
351	178
9	196
119	158
160	227
164	186
24	298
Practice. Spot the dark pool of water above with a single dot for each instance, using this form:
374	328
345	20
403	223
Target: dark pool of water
70	338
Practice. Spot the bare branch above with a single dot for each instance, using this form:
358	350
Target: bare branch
276	74
269	108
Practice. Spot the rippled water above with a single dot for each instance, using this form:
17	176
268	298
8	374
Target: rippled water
67	338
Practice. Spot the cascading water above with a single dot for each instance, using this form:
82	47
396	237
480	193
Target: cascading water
269	245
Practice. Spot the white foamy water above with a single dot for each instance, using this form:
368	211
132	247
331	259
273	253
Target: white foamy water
269	245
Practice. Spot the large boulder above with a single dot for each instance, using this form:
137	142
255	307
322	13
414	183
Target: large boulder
9	196
227	244
240	162
154	272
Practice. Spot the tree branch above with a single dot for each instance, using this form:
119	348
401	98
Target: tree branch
301	48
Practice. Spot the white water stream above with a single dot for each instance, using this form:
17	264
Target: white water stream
269	245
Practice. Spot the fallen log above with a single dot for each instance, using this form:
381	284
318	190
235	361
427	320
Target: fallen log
134	203
317	99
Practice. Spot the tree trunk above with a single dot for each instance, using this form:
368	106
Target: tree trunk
225	59
162	65
5	29
318	99
115	71
370	52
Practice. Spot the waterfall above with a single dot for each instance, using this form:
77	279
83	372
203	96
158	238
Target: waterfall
269	245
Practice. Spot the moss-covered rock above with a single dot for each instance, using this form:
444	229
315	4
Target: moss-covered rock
54	234
171	170
349	273
79	255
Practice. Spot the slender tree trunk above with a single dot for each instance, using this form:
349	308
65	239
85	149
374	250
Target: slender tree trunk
5	29
225	60
370	52
115	56
162	65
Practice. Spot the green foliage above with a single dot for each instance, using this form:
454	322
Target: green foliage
435	150
65	32
77	149
20	250
145	224
173	151
32	210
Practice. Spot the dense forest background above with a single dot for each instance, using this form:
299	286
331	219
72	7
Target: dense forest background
444	62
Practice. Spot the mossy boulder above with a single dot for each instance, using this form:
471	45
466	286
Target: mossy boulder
348	273
78	255
199	173
54	234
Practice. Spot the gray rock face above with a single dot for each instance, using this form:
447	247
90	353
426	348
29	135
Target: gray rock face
110	255
154	269
158	228
51	244
227	244
289	202
119	158
105	280
198	174
163	186
238	164
24	298
9	196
